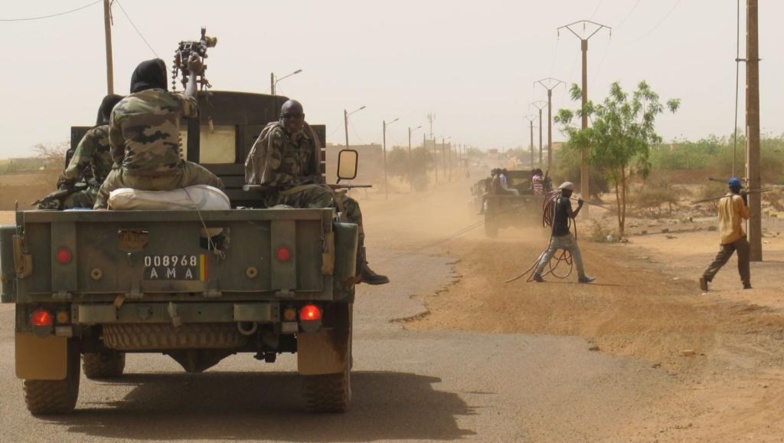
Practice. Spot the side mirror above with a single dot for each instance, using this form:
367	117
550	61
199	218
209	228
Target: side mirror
348	160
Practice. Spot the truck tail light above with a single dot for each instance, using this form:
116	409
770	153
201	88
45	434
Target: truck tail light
41	318
283	254
310	318
310	313
63	256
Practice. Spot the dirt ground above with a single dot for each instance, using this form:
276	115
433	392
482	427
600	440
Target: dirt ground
724	347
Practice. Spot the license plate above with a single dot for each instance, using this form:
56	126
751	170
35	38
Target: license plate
175	267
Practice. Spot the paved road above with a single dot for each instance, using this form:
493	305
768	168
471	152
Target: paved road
415	386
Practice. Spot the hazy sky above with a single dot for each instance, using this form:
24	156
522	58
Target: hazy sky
472	64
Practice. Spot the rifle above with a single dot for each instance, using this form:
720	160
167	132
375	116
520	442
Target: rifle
336	186
60	194
743	191
260	188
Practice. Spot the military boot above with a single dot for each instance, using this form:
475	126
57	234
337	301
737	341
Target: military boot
367	275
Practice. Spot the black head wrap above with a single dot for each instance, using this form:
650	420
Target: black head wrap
105	110
149	74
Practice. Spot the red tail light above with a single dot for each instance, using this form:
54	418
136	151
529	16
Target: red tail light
283	254
41	318
310	313
63	256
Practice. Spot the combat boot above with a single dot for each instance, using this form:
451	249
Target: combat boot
370	277
365	274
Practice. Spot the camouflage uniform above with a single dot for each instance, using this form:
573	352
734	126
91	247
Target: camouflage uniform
144	136
291	172
91	163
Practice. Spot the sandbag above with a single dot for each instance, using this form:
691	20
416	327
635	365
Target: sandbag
201	197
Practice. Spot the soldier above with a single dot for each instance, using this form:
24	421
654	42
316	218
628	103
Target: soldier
286	159
89	163
144	135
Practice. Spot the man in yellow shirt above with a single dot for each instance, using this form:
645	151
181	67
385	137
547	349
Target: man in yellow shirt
733	209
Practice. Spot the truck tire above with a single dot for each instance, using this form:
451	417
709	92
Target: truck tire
98	365
44	397
159	336
332	392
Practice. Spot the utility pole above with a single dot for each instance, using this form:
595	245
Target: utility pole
539	104
451	160
345	121
753	130
107	26
272	86
531	118
386	185
410	164
549	84
435	158
584	172
430	118
443	156
345	124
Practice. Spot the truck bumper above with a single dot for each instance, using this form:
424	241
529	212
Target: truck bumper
91	314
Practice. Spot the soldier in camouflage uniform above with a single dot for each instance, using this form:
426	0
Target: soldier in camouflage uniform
144	135
88	164
286	160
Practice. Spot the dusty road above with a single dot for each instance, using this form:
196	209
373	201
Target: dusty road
449	351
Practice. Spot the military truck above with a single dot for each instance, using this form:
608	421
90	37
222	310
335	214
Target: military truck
505	209
97	285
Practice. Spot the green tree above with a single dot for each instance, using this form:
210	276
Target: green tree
412	168
620	137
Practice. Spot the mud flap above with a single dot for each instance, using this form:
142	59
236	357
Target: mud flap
322	352
41	358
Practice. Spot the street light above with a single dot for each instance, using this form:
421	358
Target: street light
386	187
444	151
274	81
345	121
410	181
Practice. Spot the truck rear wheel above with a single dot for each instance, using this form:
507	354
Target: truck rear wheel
55	396
98	365
332	392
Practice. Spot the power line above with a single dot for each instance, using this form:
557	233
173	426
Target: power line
627	15
598	5
134	27
48	16
660	21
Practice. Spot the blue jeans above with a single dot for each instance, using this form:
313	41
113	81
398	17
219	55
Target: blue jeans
567	242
